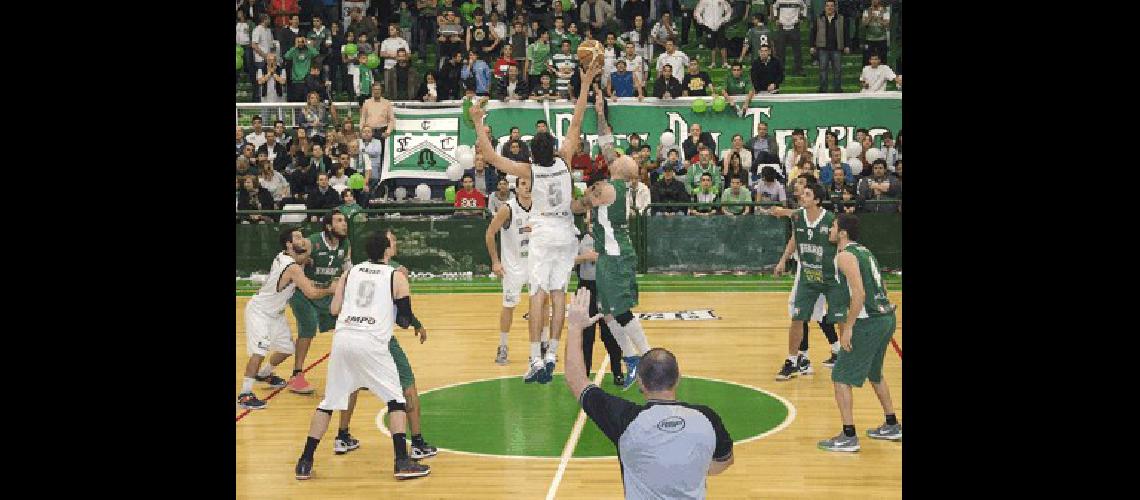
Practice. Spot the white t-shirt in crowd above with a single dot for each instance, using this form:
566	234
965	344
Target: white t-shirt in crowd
876	78
392	44
263	38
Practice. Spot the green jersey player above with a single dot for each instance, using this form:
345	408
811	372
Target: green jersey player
331	256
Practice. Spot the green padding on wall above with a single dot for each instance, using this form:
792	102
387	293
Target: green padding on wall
440	245
257	245
882	235
717	243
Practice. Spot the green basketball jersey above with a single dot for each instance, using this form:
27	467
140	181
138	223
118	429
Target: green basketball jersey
611	227
816	252
327	263
876	303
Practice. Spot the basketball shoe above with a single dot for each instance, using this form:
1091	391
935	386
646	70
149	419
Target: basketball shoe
407	468
840	443
885	431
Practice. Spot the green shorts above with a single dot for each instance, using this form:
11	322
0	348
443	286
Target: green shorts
869	341
403	367
806	293
617	283
311	312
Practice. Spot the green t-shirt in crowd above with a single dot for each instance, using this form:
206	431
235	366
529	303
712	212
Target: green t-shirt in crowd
744	197
302	59
539	54
575	41
737	86
872	32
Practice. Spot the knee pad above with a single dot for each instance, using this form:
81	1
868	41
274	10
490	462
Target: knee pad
624	318
394	406
326	412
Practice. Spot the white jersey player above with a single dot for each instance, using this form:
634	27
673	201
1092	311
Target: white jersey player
553	239
363	303
265	326
512	222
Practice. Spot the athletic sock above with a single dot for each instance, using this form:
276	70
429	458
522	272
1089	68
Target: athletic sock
265	370
341	433
296	371
418	440
804	338
835	347
545	333
552	351
246	385
794	359
623	340
849	430
310	446
535	350
636	335
892	420
400	444
502	338
803	354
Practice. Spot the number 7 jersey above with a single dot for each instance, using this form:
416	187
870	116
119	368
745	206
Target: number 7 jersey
814	248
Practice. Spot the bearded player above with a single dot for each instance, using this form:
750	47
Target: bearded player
331	256
553	240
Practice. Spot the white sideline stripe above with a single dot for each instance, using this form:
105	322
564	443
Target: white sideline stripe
572	442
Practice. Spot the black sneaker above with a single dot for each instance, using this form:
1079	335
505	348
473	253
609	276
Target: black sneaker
249	401
273	380
788	371
804	365
830	362
304	469
407	468
344	444
619	380
423	450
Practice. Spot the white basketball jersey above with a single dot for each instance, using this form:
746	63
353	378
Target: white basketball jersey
367	306
551	194
268	300
515	238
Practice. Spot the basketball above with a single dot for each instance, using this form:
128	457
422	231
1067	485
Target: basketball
588	51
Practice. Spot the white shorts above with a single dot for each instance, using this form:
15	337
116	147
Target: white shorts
817	312
360	360
549	265
512	287
265	333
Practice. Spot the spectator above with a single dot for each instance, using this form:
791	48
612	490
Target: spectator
565	63
696	82
836	161
287	36
757	36
830	142
638	37
314	83
663	31
788	14
334	61
302	141
875	24
806	166
557	34
301	58
358	161
282	135
705	164
797	187
763	147
389	48
450	84
735	83
426	11
364	46
282	11
611	50
254	197
625	84
670	190
277	91
378	113
829	37
362	25
316	116
705	194
645	161
261	43
640	196
513	87
320	38
501	196
303	180
362	77
349	206
691	143
794	156
538	58
842	191
630	9
738	149
736	193
672	162
890	153
243	167
516	136
597	13
546	90
767	75
519	41
481	39
274	151
714	15
687	7
402	80
323	196
635	63
339	179
667	86
503	63
880	186
470	198
673	57
274	181
485	178
514	151
334	145
582	164
476	75
256	137
348	133
247	153
875	76
450	35
770	188
429	89
898	170
736	168
320	163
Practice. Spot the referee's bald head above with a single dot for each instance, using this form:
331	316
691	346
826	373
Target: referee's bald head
658	370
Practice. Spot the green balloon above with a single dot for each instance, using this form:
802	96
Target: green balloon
449	194
373	61
240	51
719	103
240	63
619	150
699	106
350	49
356	181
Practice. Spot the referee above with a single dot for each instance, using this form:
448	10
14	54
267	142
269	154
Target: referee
665	448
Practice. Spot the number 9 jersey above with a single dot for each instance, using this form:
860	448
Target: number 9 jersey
367	306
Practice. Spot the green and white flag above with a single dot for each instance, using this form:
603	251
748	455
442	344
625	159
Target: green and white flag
422	145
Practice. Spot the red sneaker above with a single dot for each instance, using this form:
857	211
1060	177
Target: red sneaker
299	385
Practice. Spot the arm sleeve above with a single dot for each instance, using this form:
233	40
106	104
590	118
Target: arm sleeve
611	413
723	448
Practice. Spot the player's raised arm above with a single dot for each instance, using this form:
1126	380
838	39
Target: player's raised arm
483	145
574	134
497	222
338	294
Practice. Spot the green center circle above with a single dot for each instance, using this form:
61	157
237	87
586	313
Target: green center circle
508	418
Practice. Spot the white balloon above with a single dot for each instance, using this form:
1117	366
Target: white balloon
668	139
874	154
465	157
423	192
853	149
401	193
454	172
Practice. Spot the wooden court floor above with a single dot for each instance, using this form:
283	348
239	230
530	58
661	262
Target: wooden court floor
747	346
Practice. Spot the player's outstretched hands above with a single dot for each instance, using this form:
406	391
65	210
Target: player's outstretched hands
579	309
595	69
477	112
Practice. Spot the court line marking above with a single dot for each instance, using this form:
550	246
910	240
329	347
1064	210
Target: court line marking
787	420
575	433
279	389
896	346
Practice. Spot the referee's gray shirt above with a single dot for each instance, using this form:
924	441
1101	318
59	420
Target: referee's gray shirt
664	448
